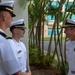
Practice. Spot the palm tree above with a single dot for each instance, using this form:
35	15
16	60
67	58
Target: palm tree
37	10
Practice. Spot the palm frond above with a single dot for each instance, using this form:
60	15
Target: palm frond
22	3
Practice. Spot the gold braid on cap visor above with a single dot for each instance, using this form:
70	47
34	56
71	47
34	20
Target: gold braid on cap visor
68	26
9	9
18	26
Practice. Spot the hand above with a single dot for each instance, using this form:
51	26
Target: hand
29	73
22	73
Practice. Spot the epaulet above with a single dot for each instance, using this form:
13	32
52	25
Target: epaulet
8	37
4	35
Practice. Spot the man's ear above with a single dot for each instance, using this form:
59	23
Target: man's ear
15	30
3	16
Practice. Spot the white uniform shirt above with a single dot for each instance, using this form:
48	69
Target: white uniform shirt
70	52
20	53
8	63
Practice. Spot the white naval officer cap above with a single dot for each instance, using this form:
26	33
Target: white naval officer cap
18	24
7	6
69	23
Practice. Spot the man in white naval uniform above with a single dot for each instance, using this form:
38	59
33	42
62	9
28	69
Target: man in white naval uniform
70	44
18	29
8	62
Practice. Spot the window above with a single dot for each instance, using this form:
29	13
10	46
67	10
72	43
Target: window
68	6
50	31
73	16
55	4
50	17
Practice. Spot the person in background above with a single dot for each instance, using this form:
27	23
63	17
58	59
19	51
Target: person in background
70	44
18	30
8	62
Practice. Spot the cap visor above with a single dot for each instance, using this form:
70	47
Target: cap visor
64	26
25	28
13	15
21	27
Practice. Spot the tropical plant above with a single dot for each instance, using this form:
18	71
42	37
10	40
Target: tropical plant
37	11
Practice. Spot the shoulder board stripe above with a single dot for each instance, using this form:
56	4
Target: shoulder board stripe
4	35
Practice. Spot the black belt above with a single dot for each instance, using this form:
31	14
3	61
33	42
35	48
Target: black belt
73	72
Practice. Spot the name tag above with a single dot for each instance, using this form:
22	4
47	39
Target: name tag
19	51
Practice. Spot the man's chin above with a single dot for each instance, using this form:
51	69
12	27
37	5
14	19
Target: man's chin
22	36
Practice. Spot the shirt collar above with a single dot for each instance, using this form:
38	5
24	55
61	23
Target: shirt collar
16	41
2	31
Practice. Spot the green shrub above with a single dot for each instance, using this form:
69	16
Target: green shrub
34	56
44	61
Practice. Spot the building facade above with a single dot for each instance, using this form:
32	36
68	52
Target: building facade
50	18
